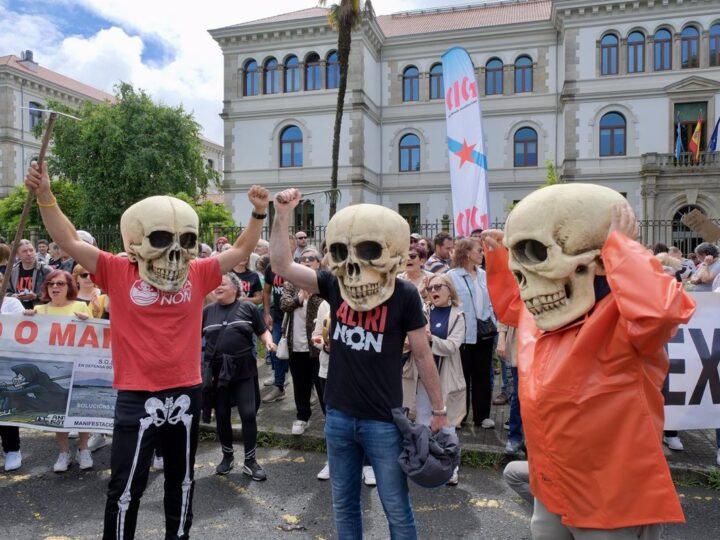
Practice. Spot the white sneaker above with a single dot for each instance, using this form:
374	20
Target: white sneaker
454	478
270	381
674	443
84	459
369	475
13	460
299	427
324	474
63	462
158	463
487	424
73	435
96	442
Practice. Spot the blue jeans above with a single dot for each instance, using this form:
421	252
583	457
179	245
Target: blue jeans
515	422
280	367
505	370
348	440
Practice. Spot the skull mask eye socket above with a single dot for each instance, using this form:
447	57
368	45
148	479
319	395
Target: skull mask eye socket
530	252
161	239
188	240
338	252
368	251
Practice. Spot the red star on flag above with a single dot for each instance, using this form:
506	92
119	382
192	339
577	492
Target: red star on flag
465	153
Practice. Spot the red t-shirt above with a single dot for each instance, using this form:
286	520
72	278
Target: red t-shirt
155	334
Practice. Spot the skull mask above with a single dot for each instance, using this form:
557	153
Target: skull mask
555	235
160	234
367	244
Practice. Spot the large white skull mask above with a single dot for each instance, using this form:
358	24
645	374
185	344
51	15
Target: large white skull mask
160	233
367	245
555	235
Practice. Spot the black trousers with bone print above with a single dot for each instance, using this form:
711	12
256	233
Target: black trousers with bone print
168	419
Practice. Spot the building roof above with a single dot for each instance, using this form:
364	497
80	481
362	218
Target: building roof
52	77
464	17
424	21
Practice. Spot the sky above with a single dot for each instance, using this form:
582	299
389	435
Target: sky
160	46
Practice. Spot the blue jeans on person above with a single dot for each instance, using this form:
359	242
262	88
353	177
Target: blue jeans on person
515	434
348	440
280	367
505	373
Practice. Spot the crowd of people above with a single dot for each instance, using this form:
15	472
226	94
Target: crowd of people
450	340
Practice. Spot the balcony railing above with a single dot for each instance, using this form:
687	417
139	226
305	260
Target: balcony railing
686	161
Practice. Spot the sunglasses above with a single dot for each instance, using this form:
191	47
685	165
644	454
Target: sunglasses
413	240
84	275
308	259
433	288
56	283
413	255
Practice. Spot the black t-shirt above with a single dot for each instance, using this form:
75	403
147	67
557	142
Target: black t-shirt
365	371
25	283
242	321
249	283
276	282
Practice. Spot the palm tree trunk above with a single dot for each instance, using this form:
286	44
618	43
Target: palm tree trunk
344	42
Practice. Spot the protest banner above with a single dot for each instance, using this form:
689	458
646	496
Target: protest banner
56	373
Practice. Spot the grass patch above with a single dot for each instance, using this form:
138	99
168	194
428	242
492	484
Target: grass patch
483	460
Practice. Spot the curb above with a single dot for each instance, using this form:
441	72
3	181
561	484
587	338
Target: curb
473	455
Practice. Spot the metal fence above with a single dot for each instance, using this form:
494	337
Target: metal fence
669	232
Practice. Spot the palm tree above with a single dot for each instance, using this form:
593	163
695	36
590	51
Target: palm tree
343	18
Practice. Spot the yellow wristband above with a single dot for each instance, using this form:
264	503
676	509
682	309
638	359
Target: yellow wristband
53	203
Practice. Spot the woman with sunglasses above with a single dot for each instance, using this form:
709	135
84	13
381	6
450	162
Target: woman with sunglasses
89	293
446	333
414	272
60	292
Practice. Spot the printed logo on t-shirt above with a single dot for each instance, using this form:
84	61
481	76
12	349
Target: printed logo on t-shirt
245	288
277	285
361	330
144	294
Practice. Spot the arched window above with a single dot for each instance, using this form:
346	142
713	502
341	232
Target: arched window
291	147
662	50
494	77
612	134
523	74
525	142
292	74
437	90
313	73
250	82
609	55
689	48
411	84
271	77
636	52
333	70
410	153
35	113
715	44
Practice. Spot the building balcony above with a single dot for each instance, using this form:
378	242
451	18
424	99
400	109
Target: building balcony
653	163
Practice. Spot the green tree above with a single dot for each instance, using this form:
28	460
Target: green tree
343	18
209	212
551	176
127	150
71	198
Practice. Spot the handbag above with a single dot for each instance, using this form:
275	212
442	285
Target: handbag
283	351
485	327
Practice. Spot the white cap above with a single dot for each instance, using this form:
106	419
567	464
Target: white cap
86	237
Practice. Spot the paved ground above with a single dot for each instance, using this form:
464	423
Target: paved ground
292	504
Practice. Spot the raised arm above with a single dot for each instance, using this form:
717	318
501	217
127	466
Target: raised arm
248	239
61	230
280	257
502	287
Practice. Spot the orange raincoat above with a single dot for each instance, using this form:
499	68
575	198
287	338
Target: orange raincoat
592	408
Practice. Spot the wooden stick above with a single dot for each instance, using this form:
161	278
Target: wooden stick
26	209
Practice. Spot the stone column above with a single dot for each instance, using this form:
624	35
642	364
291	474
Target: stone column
622	57
508	79
704	52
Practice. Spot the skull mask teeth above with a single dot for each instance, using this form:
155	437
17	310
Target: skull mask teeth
160	234
367	244
555	236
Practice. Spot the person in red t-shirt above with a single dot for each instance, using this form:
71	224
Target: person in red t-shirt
157	297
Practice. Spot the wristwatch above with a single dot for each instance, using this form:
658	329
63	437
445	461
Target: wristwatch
440	412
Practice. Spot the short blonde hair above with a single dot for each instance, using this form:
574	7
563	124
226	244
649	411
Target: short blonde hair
448	282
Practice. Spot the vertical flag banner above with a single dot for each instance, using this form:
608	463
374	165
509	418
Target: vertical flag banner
712	145
678	140
694	144
466	151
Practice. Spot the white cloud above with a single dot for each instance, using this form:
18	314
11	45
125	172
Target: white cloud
193	77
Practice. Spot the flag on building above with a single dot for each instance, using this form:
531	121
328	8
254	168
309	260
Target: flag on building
712	145
694	144
678	140
466	151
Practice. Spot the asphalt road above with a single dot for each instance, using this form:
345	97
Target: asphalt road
37	503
